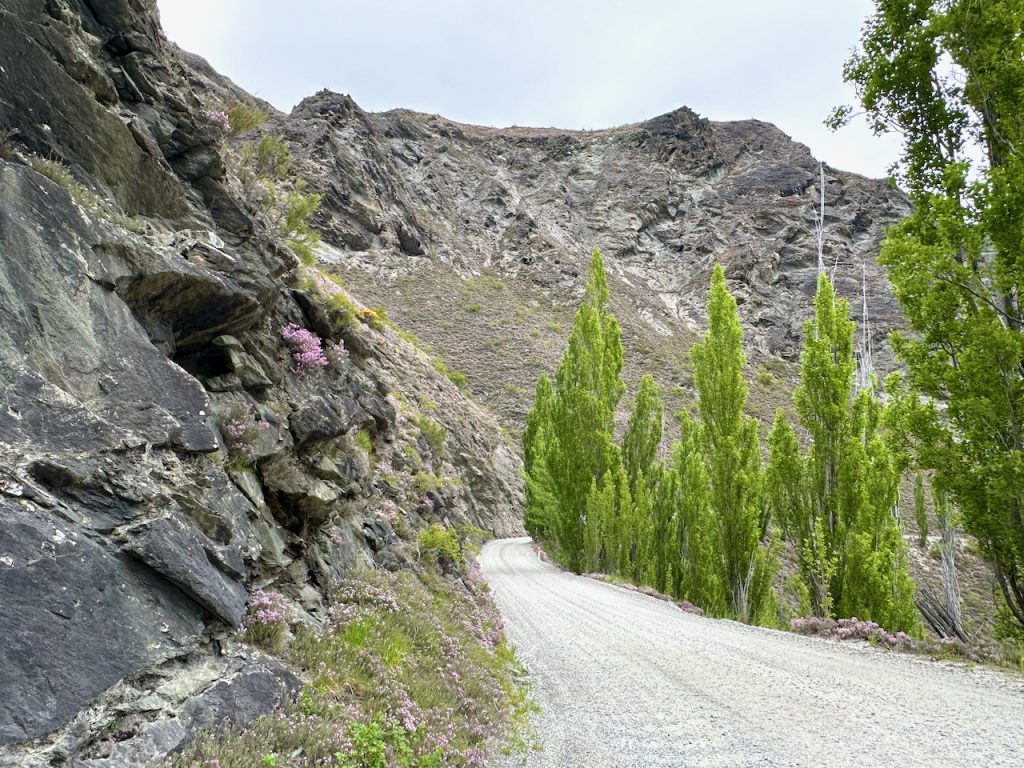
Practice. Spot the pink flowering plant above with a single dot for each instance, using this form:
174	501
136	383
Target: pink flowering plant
266	624
217	118
860	629
410	669
242	431
306	348
336	354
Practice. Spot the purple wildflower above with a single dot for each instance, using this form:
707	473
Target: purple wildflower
306	348
217	118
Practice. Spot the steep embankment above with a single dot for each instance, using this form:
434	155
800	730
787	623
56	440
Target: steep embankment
623	679
162	450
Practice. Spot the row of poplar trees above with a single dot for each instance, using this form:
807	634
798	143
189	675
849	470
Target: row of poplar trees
705	520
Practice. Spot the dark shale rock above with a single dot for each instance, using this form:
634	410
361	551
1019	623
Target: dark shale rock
323	418
60	320
179	553
78	615
238	700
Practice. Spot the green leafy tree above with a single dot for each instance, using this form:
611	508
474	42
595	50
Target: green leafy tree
696	573
570	440
639	457
790	502
540	499
643	434
839	510
733	458
873	581
947	75
920	510
662	554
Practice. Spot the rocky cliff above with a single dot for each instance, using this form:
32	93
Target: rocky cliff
477	239
164	449
170	441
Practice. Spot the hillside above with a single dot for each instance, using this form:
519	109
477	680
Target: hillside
189	414
477	239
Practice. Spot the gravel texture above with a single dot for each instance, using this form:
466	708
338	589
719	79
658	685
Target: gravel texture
623	679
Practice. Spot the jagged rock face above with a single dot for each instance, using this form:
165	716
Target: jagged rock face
413	202
133	326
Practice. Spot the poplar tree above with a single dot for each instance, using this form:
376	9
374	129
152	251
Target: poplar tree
789	499
873	580
643	434
540	500
733	458
696	573
639	458
571	439
662	554
840	510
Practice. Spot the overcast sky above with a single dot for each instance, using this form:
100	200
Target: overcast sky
592	64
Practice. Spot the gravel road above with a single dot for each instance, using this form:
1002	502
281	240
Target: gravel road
626	680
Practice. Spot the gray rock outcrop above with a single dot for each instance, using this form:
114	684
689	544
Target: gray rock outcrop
141	306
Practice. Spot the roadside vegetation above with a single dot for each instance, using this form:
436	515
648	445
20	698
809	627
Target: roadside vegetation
704	520
410	669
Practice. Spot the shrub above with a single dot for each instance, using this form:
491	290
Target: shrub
364	440
294	225
413	667
765	377
242	118
267	622
306	348
852	629
270	157
440	545
217	118
336	354
376	318
474	306
342	310
427	482
241	431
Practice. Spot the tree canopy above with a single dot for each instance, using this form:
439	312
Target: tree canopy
948	76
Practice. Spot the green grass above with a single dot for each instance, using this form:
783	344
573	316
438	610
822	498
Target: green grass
364	441
435	433
60	174
404	658
426	482
244	117
458	378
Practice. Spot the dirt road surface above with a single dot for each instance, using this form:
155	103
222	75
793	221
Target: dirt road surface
627	680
